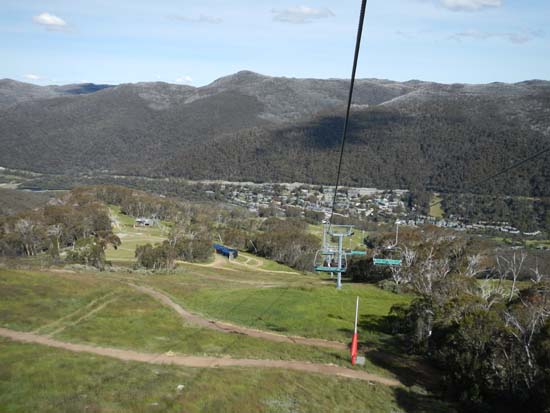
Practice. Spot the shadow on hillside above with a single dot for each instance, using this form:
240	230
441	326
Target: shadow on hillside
376	324
422	379
410	370
348	332
275	327
336	317
391	354
413	402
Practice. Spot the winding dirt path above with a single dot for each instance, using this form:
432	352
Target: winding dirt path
84	317
256	265
218	263
222	263
258	284
258	268
196	361
58	324
231	328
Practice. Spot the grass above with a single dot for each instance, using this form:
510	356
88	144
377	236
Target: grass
507	284
275	266
125	318
35	378
537	243
241	259
29	300
135	321
266	264
192	275
43	379
308	310
355	242
436	210
295	304
132	236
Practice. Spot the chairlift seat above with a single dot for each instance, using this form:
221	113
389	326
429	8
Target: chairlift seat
333	259
390	255
356	253
330	269
384	261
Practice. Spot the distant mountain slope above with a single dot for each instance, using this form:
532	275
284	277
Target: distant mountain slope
79	89
442	137
250	126
132	128
289	99
13	92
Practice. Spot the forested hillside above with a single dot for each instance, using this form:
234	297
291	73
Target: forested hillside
13	201
414	135
443	141
13	92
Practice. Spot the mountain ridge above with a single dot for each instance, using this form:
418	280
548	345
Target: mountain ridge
252	126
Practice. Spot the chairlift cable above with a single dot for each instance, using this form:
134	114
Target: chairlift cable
348	109
497	174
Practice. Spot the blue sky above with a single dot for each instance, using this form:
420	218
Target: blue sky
195	42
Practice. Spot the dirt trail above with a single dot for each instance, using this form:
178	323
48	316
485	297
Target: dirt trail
255	264
90	306
258	284
219	263
253	267
252	264
80	319
196	361
231	328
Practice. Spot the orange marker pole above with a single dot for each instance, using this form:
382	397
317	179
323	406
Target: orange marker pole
355	336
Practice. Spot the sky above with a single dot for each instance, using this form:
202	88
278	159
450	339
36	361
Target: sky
195	42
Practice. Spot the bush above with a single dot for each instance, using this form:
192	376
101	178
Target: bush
364	270
154	258
88	251
390	285
287	242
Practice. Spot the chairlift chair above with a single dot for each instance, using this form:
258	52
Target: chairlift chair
355	253
390	256
327	258
327	261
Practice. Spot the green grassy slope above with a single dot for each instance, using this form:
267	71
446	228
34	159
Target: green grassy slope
34	378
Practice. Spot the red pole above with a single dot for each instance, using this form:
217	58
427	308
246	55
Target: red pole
355	336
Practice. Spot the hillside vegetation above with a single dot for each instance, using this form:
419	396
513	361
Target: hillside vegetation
13	201
470	305
253	127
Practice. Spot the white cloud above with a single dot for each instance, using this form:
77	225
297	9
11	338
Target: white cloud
30	76
50	21
512	37
186	80
470	5
201	19
300	14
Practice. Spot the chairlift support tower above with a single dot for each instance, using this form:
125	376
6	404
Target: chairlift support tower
339	232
